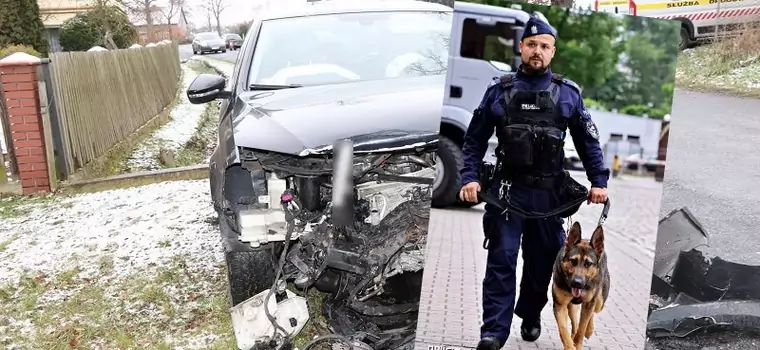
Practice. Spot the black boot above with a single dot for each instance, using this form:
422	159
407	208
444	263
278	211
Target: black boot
530	330
489	343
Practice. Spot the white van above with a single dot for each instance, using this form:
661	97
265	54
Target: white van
699	18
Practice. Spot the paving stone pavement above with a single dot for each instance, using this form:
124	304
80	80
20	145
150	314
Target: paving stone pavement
450	310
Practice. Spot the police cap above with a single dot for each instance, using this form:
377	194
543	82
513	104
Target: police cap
536	26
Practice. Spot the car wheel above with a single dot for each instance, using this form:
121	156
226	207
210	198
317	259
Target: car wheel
249	273
223	51
447	178
683	43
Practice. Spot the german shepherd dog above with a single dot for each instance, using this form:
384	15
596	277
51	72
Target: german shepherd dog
580	279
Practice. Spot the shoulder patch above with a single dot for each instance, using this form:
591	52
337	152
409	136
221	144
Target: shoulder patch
591	129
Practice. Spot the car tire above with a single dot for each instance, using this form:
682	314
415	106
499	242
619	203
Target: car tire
684	40
249	273
224	51
446	188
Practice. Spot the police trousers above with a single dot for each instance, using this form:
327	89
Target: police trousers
541	241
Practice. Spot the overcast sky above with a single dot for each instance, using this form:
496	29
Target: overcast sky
238	11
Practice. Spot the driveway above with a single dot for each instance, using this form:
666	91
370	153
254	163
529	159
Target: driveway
186	51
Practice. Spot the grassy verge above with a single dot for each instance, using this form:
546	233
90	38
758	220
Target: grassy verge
171	306
197	149
12	206
731	66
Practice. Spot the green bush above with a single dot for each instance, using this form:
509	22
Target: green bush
78	34
20	24
640	110
88	29
594	104
9	50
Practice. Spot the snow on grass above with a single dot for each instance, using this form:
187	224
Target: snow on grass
222	66
706	68
184	120
127	268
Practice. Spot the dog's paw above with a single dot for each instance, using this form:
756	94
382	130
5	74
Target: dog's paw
590	329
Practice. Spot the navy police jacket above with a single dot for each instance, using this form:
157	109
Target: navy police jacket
493	106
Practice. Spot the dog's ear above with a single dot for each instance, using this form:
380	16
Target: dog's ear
597	240
574	236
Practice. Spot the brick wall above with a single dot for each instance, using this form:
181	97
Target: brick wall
18	74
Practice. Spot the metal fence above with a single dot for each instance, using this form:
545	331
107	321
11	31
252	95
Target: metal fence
97	99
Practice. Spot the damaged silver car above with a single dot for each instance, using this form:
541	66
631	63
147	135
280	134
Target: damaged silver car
325	165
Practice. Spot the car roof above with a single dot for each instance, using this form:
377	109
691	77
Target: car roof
490	10
325	7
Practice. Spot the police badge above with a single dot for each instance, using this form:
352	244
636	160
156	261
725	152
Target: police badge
533	30
591	129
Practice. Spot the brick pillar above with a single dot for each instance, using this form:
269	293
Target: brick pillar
18	73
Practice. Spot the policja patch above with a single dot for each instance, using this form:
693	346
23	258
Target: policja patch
590	126
591	129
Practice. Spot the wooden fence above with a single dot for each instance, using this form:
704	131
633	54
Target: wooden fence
103	97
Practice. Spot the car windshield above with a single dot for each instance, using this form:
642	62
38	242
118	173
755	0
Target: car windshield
207	36
348	47
234	37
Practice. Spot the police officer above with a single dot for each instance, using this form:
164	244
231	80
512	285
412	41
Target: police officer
530	111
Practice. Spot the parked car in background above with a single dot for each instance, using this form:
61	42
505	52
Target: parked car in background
649	163
208	42
233	41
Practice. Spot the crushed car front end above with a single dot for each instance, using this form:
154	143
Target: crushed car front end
371	266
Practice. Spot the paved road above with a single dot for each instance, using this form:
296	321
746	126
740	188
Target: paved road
450	309
712	167
186	51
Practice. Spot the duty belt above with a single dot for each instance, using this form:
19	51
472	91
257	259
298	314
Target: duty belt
547	182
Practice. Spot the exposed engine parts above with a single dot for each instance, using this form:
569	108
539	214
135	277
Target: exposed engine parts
371	267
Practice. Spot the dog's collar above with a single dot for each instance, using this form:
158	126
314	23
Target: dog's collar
576	301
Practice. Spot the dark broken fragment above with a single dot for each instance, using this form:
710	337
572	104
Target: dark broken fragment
676	232
716	279
682	320
707	340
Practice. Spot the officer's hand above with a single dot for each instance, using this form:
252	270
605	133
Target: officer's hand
469	192
597	195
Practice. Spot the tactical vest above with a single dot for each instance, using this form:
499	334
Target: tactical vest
531	134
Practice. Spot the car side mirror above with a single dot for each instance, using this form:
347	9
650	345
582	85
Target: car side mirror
206	88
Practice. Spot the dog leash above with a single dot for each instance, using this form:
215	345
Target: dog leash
605	212
508	207
511	208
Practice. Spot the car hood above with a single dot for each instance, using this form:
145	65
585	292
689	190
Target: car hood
376	115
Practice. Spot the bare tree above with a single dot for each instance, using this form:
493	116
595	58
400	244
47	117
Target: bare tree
144	10
216	8
172	9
